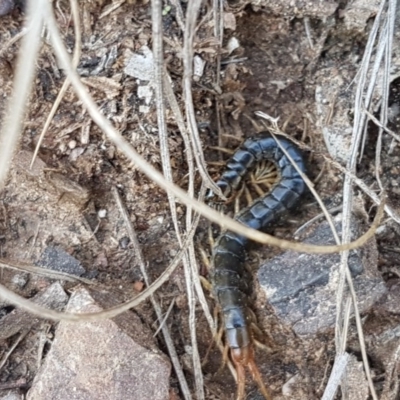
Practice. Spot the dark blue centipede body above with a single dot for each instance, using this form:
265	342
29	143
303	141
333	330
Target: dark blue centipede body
231	283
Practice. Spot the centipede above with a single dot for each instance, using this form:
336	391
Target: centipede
231	281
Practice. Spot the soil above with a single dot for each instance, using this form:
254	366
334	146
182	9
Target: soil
68	203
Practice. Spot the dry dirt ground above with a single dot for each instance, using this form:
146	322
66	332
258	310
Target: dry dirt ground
66	202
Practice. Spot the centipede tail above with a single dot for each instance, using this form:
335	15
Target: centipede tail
231	281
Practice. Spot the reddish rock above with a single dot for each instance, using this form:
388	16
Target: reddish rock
101	360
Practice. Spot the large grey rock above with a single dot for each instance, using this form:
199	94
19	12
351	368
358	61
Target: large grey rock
302	287
18	320
57	259
100	360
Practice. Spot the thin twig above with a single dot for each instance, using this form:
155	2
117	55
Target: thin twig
12	348
165	318
339	367
166	163
25	72
64	88
49	273
358	129
385	128
167	336
190	26
189	156
308	32
13	40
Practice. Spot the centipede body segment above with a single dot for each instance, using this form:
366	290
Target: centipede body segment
230	280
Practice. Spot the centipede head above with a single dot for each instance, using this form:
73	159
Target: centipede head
243	357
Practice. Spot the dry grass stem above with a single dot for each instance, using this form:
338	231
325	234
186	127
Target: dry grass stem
362	101
33	269
12	348
339	368
166	163
75	61
25	71
166	333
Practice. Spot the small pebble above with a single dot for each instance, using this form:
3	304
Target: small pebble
138	286
173	252
19	280
102	213
72	144
124	242
62	147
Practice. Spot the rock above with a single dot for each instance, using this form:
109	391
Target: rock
391	303
383	348
42	204
298	8
57	259
358	12
6	7
337	127
100	360
302	287
12	395
53	297
355	382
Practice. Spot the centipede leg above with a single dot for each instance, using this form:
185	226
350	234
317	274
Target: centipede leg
216	339
249	198
257	378
244	357
241	380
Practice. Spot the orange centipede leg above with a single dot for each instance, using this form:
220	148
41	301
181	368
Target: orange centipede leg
244	357
241	380
257	378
